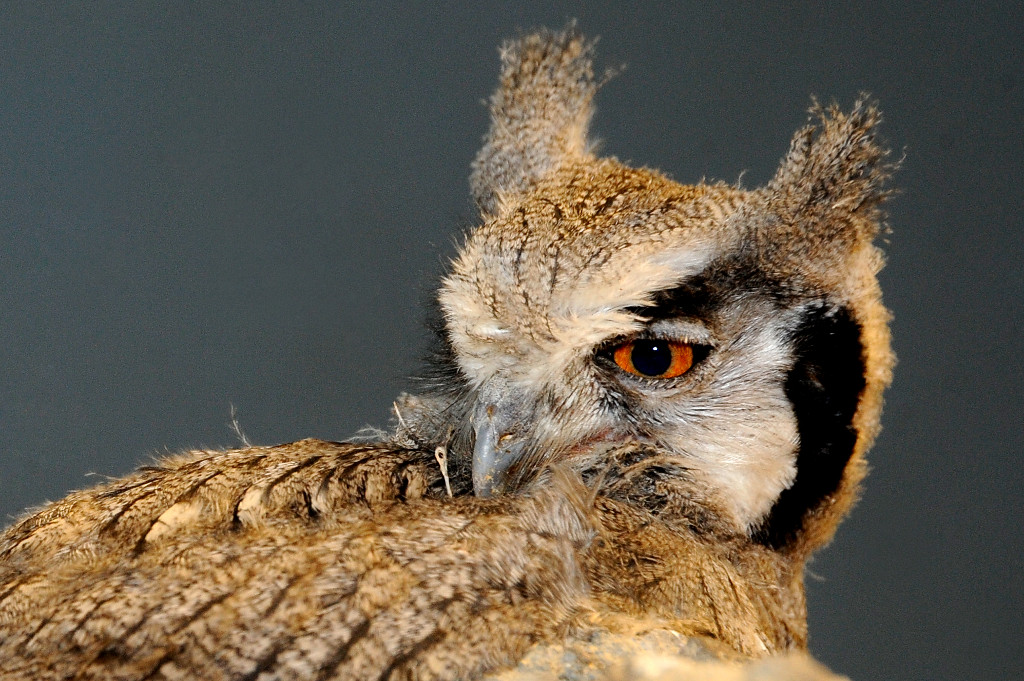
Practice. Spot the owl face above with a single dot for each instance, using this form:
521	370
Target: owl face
619	306
739	332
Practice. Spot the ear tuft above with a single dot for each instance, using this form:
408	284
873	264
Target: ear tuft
831	183
539	114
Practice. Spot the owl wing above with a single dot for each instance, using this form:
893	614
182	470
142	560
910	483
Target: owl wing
312	560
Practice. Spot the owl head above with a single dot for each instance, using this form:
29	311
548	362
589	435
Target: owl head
740	333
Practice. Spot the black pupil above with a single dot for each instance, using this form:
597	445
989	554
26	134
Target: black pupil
651	357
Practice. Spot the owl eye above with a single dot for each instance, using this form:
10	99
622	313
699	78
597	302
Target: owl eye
654	357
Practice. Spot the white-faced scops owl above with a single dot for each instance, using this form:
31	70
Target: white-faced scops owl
649	404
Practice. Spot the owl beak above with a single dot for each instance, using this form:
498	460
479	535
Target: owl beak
498	421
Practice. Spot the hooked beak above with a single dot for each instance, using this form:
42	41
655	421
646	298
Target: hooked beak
498	421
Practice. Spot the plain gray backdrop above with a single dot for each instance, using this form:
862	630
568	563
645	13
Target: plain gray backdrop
247	205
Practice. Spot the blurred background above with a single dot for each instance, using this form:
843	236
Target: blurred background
246	206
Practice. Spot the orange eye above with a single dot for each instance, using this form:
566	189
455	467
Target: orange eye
654	357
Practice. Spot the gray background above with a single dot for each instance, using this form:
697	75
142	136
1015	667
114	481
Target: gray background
248	206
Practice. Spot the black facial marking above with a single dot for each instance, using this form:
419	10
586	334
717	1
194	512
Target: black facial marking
690	299
446	423
824	387
441	373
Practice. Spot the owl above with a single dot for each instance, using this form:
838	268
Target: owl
649	404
